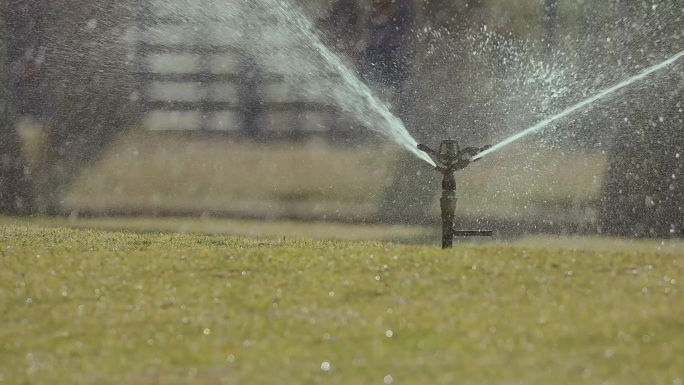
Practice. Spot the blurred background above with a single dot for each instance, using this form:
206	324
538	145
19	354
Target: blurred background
154	109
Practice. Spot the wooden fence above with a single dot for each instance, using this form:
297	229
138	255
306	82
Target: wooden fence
191	76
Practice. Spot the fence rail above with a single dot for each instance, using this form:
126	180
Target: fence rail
255	100
210	105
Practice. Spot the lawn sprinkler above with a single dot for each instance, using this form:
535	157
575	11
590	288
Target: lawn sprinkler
450	159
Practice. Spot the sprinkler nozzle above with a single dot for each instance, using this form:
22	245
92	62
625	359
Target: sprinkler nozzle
427	149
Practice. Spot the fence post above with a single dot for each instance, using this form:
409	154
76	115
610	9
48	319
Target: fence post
551	25
205	68
248	84
142	20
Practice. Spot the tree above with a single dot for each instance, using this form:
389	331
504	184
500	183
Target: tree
91	76
15	192
643	193
670	162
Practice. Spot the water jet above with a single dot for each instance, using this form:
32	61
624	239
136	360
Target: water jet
587	103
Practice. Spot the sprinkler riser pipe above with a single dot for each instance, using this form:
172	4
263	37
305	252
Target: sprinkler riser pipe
448	206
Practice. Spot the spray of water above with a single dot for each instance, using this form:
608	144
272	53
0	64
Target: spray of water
586	103
283	39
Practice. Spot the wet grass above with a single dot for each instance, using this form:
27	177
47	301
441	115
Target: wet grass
240	227
86	306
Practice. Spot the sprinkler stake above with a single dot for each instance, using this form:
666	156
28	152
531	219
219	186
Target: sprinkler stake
450	158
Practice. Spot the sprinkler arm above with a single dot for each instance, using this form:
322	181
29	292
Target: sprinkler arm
428	150
450	165
472	151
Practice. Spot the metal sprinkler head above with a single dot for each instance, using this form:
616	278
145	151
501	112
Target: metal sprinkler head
451	158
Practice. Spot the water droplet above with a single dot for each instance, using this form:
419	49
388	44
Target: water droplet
649	201
325	366
91	24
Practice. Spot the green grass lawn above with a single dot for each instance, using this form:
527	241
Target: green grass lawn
86	306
